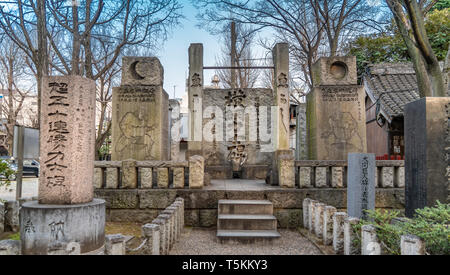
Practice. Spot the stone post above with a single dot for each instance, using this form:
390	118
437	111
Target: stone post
327	232
318	219
369	241
350	248
311	216
112	178
427	155
178	177
66	211
2	217
321	177
360	184
387	177
98	178
301	152
175	128
129	174
280	132
151	232
195	91
163	178
12	216
146	178
338	232
196	172
167	229
162	234
337	177
286	172
411	245
172	220
305	177
174	209
115	244
181	202
180	217
306	203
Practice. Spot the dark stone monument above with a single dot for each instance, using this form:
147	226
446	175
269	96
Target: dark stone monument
360	184
427	148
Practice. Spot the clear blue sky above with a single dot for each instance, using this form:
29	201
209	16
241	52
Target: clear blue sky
174	53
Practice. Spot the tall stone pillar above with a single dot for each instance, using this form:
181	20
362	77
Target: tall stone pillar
301	148
280	131
175	128
195	91
336	116
140	112
427	155
66	211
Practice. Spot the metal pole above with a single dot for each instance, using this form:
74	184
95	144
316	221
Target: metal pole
20	149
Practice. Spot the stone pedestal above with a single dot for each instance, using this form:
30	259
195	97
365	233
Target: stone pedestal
336	115
43	225
427	152
140	115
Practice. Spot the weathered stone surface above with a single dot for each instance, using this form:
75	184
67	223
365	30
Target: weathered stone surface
162	235
286	172
350	247
337	177
318	219
411	245
146	178
170	215
335	110
338	232
289	218
312	213
208	217
305	177
129	174
112	178
321	177
301	148
152	233
361	185
400	177
142	71
131	215
115	244
67	138
98	178
427	145
196	172
195	93
119	199
387	177
305	208
284	199
2	217
12	216
178	178
175	129
168	231
327	227
156	199
192	217
9	247
64	248
369	241
163	178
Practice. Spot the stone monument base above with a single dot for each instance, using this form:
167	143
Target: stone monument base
272	177
43	225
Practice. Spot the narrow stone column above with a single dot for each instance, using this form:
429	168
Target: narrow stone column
305	177
306	203
400	177
337	177
387	177
174	210
196	172
321	177
318	219
369	241
115	244
12	216
162	234
327	232
338	232
129	174
411	245
172	218
178	177
152	234
311	211
112	178
195	92
98	178
146	178
286	171
175	127
181	202
168	226
163	178
349	236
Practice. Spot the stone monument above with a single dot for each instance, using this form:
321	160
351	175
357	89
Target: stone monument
336	116
66	211
360	184
427	153
140	112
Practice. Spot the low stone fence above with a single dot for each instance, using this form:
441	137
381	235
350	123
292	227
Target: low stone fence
335	228
333	174
132	174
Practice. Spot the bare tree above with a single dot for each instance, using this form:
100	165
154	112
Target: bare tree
409	18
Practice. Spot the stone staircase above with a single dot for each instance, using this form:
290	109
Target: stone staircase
246	221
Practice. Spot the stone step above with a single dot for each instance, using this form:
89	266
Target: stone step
248	236
246	222
250	207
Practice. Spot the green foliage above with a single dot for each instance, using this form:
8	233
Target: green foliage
431	224
15	236
437	25
5	173
441	4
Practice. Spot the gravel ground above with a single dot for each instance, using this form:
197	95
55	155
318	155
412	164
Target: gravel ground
203	242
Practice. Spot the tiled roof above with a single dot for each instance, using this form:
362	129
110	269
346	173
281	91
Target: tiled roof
394	84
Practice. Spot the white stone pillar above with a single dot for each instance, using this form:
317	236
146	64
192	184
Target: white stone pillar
151	232
306	203
349	236
327	234
369	241
411	245
338	232
115	245
318	219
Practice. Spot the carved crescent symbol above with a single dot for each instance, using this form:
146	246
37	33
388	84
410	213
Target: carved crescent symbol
134	72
